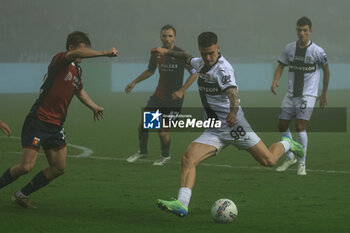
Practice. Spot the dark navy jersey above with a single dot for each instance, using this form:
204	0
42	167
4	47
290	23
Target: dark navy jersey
171	75
61	82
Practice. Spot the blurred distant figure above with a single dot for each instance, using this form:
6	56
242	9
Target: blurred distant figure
5	128
43	125
305	60
168	96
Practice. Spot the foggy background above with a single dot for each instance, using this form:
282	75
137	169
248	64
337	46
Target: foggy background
250	32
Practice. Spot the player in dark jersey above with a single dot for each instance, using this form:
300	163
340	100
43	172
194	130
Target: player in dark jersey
5	128
43	125
168	95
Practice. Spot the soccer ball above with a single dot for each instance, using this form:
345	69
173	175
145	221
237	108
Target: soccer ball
224	211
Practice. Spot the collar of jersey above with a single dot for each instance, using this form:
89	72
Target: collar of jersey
310	42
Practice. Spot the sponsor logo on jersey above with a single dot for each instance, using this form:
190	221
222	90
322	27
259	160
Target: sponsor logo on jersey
76	82
68	77
169	66
209	90
306	68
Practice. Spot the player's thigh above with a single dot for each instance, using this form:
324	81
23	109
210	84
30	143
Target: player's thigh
287	108
197	152
57	157
153	103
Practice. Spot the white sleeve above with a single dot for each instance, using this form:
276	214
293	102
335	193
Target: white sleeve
321	57
226	78
283	59
196	63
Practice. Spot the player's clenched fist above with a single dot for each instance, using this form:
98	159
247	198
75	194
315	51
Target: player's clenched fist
112	52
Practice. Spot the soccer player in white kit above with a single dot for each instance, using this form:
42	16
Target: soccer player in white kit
305	60
218	91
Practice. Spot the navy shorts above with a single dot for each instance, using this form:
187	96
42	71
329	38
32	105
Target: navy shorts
36	133
165	107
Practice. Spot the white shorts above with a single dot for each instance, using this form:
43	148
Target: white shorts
297	107
240	135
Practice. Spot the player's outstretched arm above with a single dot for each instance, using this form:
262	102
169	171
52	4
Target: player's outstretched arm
86	52
232	95
5	128
143	76
85	99
160	52
326	77
276	78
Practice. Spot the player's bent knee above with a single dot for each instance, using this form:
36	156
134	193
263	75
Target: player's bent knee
58	171
186	161
269	163
25	168
163	134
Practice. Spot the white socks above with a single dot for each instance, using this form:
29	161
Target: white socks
289	154
286	145
302	139
184	196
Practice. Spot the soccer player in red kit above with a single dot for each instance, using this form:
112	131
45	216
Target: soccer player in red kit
43	125
168	96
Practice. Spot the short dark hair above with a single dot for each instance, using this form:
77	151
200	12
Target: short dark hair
303	21
167	27
75	38
207	39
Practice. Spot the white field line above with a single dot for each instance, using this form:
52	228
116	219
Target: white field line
87	153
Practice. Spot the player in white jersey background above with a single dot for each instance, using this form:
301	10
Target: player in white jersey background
305	60
219	95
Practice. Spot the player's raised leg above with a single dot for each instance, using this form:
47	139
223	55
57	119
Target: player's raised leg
195	153
269	157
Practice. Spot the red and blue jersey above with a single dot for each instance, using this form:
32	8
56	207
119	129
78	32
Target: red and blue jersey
61	82
171	75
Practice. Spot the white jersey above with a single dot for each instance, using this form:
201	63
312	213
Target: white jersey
304	68
212	83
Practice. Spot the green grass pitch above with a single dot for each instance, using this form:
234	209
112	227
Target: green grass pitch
103	193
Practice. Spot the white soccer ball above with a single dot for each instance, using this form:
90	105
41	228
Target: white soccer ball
224	211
